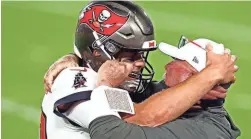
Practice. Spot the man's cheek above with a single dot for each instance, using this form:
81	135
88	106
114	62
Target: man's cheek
185	76
175	77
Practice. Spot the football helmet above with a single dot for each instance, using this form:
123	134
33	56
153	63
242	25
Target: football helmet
110	27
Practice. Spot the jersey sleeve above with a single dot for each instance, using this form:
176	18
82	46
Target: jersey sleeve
84	112
72	85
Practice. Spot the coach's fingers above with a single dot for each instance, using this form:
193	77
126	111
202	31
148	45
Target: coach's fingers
66	61
207	96
233	58
47	88
220	89
234	79
217	94
209	47
49	79
227	51
236	68
54	71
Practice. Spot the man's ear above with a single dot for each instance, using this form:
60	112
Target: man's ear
96	53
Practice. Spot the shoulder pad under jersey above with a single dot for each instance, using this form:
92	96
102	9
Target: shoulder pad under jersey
73	80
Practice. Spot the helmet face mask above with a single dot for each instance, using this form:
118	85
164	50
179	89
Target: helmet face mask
111	27
144	78
142	74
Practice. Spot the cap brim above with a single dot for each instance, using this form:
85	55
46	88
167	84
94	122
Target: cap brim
171	50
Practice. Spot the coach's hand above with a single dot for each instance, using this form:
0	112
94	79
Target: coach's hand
113	73
66	61
178	71
222	66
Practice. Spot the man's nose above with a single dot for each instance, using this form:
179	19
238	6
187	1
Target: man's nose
138	65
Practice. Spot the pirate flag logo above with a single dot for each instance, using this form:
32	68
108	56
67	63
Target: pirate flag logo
102	19
79	80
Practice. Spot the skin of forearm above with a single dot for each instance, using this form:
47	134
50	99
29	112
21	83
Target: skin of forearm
71	57
170	103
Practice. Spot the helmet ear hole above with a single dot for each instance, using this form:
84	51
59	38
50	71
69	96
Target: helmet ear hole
111	48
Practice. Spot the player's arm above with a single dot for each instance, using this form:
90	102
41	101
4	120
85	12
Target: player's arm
170	103
104	123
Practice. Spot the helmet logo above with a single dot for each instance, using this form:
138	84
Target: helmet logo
151	44
102	19
103	16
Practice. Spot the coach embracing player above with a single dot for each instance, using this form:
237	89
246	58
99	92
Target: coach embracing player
122	31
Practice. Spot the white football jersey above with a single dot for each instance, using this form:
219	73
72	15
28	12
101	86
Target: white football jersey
71	85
